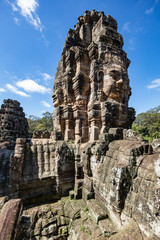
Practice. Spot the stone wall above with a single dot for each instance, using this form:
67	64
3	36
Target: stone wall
5	156
126	180
45	170
120	176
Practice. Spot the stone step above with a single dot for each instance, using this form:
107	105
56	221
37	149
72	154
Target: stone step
72	208
96	210
130	232
71	194
107	227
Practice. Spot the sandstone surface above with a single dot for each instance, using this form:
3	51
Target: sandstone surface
91	88
13	123
9	218
92	177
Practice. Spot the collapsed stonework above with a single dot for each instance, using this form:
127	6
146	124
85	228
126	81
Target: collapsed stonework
13	123
92	177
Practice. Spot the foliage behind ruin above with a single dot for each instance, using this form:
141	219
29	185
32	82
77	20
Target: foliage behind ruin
147	124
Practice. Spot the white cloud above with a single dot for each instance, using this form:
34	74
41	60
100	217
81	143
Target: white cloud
31	86
131	41
14	8
46	76
132	44
16	91
149	11
46	42
16	20
2	90
139	29
27	8
46	104
126	27
154	84
131	48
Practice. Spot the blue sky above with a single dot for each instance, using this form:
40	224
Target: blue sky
32	37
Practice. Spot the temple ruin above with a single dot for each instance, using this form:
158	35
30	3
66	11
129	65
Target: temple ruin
91	88
13	123
92	178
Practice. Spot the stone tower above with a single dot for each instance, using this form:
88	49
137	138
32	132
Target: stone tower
91	88
13	123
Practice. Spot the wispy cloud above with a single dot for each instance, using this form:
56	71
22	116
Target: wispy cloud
46	76
154	84
16	91
31	86
126	27
28	8
46	42
131	43
16	20
132	30
149	11
2	90
45	104
14	8
139	29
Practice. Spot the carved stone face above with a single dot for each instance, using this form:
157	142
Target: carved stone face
118	89
116	86
58	97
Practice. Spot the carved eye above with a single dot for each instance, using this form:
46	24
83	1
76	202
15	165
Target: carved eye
125	78
100	76
114	76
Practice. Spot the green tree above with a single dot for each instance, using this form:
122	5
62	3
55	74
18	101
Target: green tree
148	124
40	124
33	122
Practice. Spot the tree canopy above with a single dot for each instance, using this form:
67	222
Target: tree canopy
40	124
147	124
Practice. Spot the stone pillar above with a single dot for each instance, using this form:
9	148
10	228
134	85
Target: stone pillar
46	158
77	130
69	123
16	167
40	157
94	131
52	158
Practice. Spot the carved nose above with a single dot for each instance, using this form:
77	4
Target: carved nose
120	82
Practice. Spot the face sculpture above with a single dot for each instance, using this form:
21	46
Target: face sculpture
116	85
57	97
116	93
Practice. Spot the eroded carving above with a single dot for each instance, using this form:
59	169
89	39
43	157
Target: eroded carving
91	88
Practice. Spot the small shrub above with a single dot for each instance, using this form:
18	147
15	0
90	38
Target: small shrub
85	208
83	228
